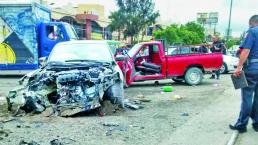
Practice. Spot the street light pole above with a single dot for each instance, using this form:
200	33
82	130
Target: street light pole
229	21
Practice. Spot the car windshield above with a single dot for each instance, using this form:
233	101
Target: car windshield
81	52
134	50
71	32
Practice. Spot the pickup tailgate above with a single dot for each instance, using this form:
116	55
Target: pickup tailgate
178	64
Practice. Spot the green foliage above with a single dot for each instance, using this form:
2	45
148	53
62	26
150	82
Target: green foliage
117	21
135	16
232	42
190	33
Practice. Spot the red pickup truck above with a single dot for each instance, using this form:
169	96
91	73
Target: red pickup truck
150	61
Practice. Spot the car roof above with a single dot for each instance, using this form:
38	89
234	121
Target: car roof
84	42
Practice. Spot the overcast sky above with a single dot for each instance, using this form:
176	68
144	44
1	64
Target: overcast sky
182	11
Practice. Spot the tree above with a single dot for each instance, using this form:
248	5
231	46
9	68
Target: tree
137	15
170	34
196	28
190	33
232	42
117	22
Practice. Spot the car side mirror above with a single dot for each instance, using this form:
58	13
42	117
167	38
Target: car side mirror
120	58
42	61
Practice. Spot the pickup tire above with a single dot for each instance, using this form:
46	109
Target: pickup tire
224	68
193	76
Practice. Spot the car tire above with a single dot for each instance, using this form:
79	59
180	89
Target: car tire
115	94
193	76
224	68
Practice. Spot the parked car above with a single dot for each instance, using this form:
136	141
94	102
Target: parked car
148	61
229	63
77	77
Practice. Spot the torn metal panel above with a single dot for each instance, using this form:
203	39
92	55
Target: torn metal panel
68	90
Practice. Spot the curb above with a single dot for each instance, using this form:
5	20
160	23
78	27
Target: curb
233	138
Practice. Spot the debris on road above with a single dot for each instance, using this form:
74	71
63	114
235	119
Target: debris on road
142	98
22	142
4	133
107	108
55	142
176	97
8	120
132	105
167	88
185	114
62	141
114	127
110	124
109	132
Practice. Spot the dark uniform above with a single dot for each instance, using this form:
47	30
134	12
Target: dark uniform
217	47
249	104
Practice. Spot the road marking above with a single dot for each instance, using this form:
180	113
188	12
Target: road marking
233	138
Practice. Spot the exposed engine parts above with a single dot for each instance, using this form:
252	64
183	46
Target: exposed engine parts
67	89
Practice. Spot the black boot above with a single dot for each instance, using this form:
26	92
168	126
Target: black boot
255	127
212	77
240	129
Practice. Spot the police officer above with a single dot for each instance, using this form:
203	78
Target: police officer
249	63
217	47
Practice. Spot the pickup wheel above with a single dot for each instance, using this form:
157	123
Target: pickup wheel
193	76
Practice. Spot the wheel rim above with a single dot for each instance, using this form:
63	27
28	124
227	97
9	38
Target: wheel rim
194	77
222	69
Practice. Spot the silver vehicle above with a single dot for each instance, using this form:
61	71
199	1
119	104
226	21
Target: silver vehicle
77	76
229	63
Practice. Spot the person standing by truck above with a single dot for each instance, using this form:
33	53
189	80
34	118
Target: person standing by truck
249	63
217	47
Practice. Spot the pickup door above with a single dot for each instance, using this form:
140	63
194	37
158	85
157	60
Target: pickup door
180	60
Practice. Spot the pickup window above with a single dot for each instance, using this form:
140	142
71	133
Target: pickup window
186	50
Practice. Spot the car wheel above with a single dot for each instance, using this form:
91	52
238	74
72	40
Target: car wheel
115	94
224	68
193	76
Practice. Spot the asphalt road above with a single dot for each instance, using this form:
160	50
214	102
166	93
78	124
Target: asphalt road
190	115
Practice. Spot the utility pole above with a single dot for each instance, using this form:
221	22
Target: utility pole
229	21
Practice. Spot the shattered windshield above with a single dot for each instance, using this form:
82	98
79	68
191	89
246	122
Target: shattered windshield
80	52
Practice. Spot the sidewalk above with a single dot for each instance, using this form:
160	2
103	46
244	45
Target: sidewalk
249	138
210	127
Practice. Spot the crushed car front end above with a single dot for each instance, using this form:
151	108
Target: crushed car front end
68	87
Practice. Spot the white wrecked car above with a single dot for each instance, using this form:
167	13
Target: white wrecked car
77	76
